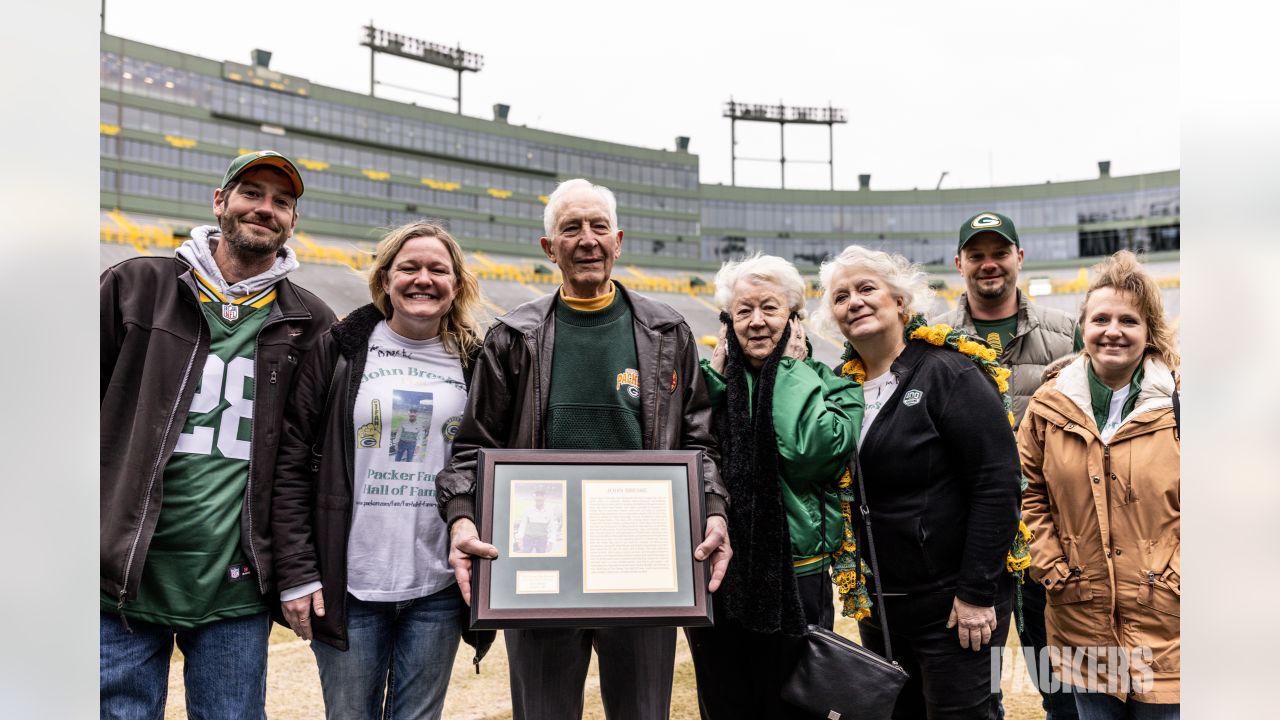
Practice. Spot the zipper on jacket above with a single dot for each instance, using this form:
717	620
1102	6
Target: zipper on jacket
349	436
1109	476
534	352
248	483
155	467
1151	587
657	397
120	608
1106	472
1106	483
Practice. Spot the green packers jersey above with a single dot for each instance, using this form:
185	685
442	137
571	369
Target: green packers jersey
195	570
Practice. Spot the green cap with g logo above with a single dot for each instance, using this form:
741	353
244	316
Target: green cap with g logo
264	157
988	222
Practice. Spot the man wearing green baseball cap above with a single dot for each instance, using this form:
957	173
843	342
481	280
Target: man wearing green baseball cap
264	158
1028	337
198	351
257	209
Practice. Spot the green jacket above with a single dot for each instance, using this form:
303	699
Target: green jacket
817	416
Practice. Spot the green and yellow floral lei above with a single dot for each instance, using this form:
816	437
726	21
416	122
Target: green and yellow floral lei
856	602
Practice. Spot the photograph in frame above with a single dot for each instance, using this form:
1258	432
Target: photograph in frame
537	514
620	529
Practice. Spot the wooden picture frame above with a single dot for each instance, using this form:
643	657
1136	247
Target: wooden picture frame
590	539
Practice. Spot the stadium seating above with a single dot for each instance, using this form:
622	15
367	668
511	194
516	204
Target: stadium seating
333	270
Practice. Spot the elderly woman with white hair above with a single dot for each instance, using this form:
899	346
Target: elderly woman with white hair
942	482
786	426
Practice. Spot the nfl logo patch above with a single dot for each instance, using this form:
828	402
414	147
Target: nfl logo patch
230	312
235	573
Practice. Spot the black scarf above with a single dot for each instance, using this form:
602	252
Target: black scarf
759	591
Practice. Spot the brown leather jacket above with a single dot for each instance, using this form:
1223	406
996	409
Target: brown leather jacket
508	399
154	340
1105	519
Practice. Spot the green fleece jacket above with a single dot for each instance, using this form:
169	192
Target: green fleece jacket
817	416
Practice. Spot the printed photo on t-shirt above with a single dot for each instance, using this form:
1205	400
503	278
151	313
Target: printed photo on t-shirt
410	425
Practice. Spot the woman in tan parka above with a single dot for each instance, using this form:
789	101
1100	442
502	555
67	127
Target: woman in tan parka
1100	450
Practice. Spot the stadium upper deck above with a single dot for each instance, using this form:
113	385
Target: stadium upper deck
170	123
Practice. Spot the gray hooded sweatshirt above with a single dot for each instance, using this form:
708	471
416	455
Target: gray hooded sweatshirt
198	252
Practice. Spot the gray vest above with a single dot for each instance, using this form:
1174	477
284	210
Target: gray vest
1044	335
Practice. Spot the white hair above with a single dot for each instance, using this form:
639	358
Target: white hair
761	268
906	281
569	187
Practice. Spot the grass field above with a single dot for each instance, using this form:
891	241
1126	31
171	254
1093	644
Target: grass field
293	684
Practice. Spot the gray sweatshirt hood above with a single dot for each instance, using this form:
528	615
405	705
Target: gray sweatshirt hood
198	252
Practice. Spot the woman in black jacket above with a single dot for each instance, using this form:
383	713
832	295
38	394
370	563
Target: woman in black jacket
942	479
361	551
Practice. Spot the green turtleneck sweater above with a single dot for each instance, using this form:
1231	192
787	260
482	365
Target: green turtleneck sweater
594	402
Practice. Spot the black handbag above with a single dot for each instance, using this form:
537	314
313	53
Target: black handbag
834	677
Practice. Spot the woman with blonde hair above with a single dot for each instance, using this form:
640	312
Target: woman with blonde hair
937	451
362	554
1100	450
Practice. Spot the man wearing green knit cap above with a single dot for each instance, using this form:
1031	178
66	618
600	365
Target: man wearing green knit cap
591	366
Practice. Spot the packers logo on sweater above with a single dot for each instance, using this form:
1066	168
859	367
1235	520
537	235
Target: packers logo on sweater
630	379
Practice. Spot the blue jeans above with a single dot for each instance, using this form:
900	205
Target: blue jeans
404	451
225	668
404	650
1100	706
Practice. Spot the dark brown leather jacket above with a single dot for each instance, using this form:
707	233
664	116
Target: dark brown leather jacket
508	400
154	342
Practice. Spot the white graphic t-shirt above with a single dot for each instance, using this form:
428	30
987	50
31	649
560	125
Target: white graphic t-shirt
875	393
407	412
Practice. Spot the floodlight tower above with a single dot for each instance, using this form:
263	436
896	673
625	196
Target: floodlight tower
782	114
454	58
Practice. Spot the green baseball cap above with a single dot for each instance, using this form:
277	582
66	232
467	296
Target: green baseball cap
988	222
264	157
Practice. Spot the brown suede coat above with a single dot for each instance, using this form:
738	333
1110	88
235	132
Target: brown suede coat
1106	533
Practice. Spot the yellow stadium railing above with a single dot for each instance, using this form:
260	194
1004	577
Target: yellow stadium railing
308	250
146	237
141	236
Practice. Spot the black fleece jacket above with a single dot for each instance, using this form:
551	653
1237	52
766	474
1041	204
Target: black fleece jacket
943	480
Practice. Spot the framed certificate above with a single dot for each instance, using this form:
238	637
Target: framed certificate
589	539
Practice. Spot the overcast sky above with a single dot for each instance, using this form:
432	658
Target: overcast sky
999	93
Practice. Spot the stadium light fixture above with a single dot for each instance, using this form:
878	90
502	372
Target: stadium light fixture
410	48
782	114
